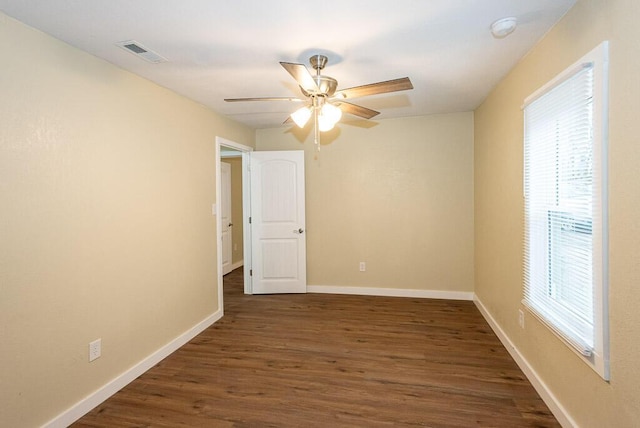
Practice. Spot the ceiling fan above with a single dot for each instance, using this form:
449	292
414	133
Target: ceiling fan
325	103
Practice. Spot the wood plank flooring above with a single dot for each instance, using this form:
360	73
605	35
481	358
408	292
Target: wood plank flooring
321	360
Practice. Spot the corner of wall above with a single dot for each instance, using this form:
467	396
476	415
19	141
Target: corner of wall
561	414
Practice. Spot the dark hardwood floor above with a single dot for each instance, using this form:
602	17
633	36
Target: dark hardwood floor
319	360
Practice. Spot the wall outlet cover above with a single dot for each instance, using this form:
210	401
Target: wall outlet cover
95	349
521	318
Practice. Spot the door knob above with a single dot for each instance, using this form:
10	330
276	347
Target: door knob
299	231
230	224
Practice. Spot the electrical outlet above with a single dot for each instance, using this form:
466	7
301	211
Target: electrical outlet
95	349
521	318
363	266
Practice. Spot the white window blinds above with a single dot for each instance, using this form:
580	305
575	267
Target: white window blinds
564	208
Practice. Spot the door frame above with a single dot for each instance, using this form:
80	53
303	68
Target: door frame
246	210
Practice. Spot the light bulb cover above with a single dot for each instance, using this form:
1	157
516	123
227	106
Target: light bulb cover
301	116
331	112
324	123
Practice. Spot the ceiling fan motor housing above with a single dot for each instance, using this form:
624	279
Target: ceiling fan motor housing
326	85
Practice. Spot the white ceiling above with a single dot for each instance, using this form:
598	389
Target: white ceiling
230	49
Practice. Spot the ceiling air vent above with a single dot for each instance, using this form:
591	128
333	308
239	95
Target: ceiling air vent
137	49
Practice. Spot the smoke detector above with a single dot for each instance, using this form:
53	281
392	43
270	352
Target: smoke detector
503	27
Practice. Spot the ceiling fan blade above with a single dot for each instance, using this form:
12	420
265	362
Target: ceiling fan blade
302	76
356	110
394	85
235	100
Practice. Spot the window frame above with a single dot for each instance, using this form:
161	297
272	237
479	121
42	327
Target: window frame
598	356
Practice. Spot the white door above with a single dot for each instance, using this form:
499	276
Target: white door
225	216
278	222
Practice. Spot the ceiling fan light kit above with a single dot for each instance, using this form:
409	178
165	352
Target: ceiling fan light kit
328	116
326	104
301	116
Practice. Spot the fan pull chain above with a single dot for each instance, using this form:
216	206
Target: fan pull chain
316	130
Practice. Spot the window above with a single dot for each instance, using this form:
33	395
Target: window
565	245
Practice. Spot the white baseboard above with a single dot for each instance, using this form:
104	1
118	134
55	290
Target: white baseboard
561	414
237	264
391	292
85	405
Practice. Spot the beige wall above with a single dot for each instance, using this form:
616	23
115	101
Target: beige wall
106	186
107	181
591	401
236	208
396	194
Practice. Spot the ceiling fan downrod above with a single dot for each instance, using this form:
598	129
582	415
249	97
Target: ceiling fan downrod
325	86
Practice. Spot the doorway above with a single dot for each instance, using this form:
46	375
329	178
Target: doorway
226	149
273	219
